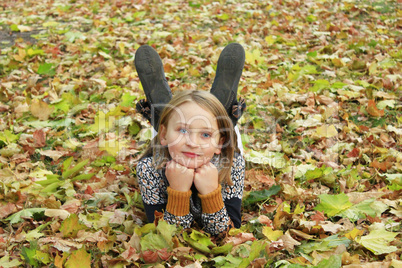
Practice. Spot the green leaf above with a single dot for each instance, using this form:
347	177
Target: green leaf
223	17
33	52
67	163
71	36
335	261
394	178
25	213
29	254
152	241
5	262
377	241
127	100
367	207
14	28
83	177
70	172
319	85
47	69
323	245
256	247
8	137
198	240
228	261
225	249
333	204
257	196
167	231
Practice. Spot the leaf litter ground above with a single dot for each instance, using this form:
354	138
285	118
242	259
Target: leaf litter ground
322	131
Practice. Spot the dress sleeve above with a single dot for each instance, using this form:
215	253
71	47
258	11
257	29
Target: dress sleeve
157	196
222	207
178	208
152	188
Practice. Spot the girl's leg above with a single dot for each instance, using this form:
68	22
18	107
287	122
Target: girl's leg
157	91
226	82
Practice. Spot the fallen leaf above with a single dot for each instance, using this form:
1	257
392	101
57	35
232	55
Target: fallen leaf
40	109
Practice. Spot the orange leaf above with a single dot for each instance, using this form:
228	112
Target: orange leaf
384	166
373	110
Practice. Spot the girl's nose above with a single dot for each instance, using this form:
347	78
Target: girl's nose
192	140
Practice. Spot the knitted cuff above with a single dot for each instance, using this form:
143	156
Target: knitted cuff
212	202
178	202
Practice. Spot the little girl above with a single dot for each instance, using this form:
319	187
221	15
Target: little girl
193	171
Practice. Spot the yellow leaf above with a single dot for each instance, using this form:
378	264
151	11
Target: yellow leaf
326	131
40	109
270	40
121	47
58	261
112	146
354	233
271	234
254	57
21	55
79	259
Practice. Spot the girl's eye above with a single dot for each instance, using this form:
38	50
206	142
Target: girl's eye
206	135
183	130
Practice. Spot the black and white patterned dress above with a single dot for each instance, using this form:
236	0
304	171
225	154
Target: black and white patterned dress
153	186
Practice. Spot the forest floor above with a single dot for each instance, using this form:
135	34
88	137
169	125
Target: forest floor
321	133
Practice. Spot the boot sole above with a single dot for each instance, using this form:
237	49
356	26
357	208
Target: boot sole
228	73
152	76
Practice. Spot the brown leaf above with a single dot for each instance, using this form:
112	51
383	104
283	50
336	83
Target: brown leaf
71	205
54	154
354	153
265	220
164	254
39	137
7	209
240	238
150	256
318	217
40	109
130	255
288	241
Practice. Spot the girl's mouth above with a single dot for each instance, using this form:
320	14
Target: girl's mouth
190	154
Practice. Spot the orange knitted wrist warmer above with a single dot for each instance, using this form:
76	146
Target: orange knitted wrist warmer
178	202
212	202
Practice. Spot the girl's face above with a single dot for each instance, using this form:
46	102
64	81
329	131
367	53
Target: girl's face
192	135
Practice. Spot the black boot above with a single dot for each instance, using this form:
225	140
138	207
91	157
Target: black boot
228	73
157	91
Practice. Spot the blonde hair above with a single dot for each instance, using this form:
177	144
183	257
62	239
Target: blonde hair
210	103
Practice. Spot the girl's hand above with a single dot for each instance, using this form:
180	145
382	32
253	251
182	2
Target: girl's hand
206	178
180	178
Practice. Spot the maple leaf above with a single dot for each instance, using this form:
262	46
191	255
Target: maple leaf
373	110
79	259
333	204
70	226
40	109
377	241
